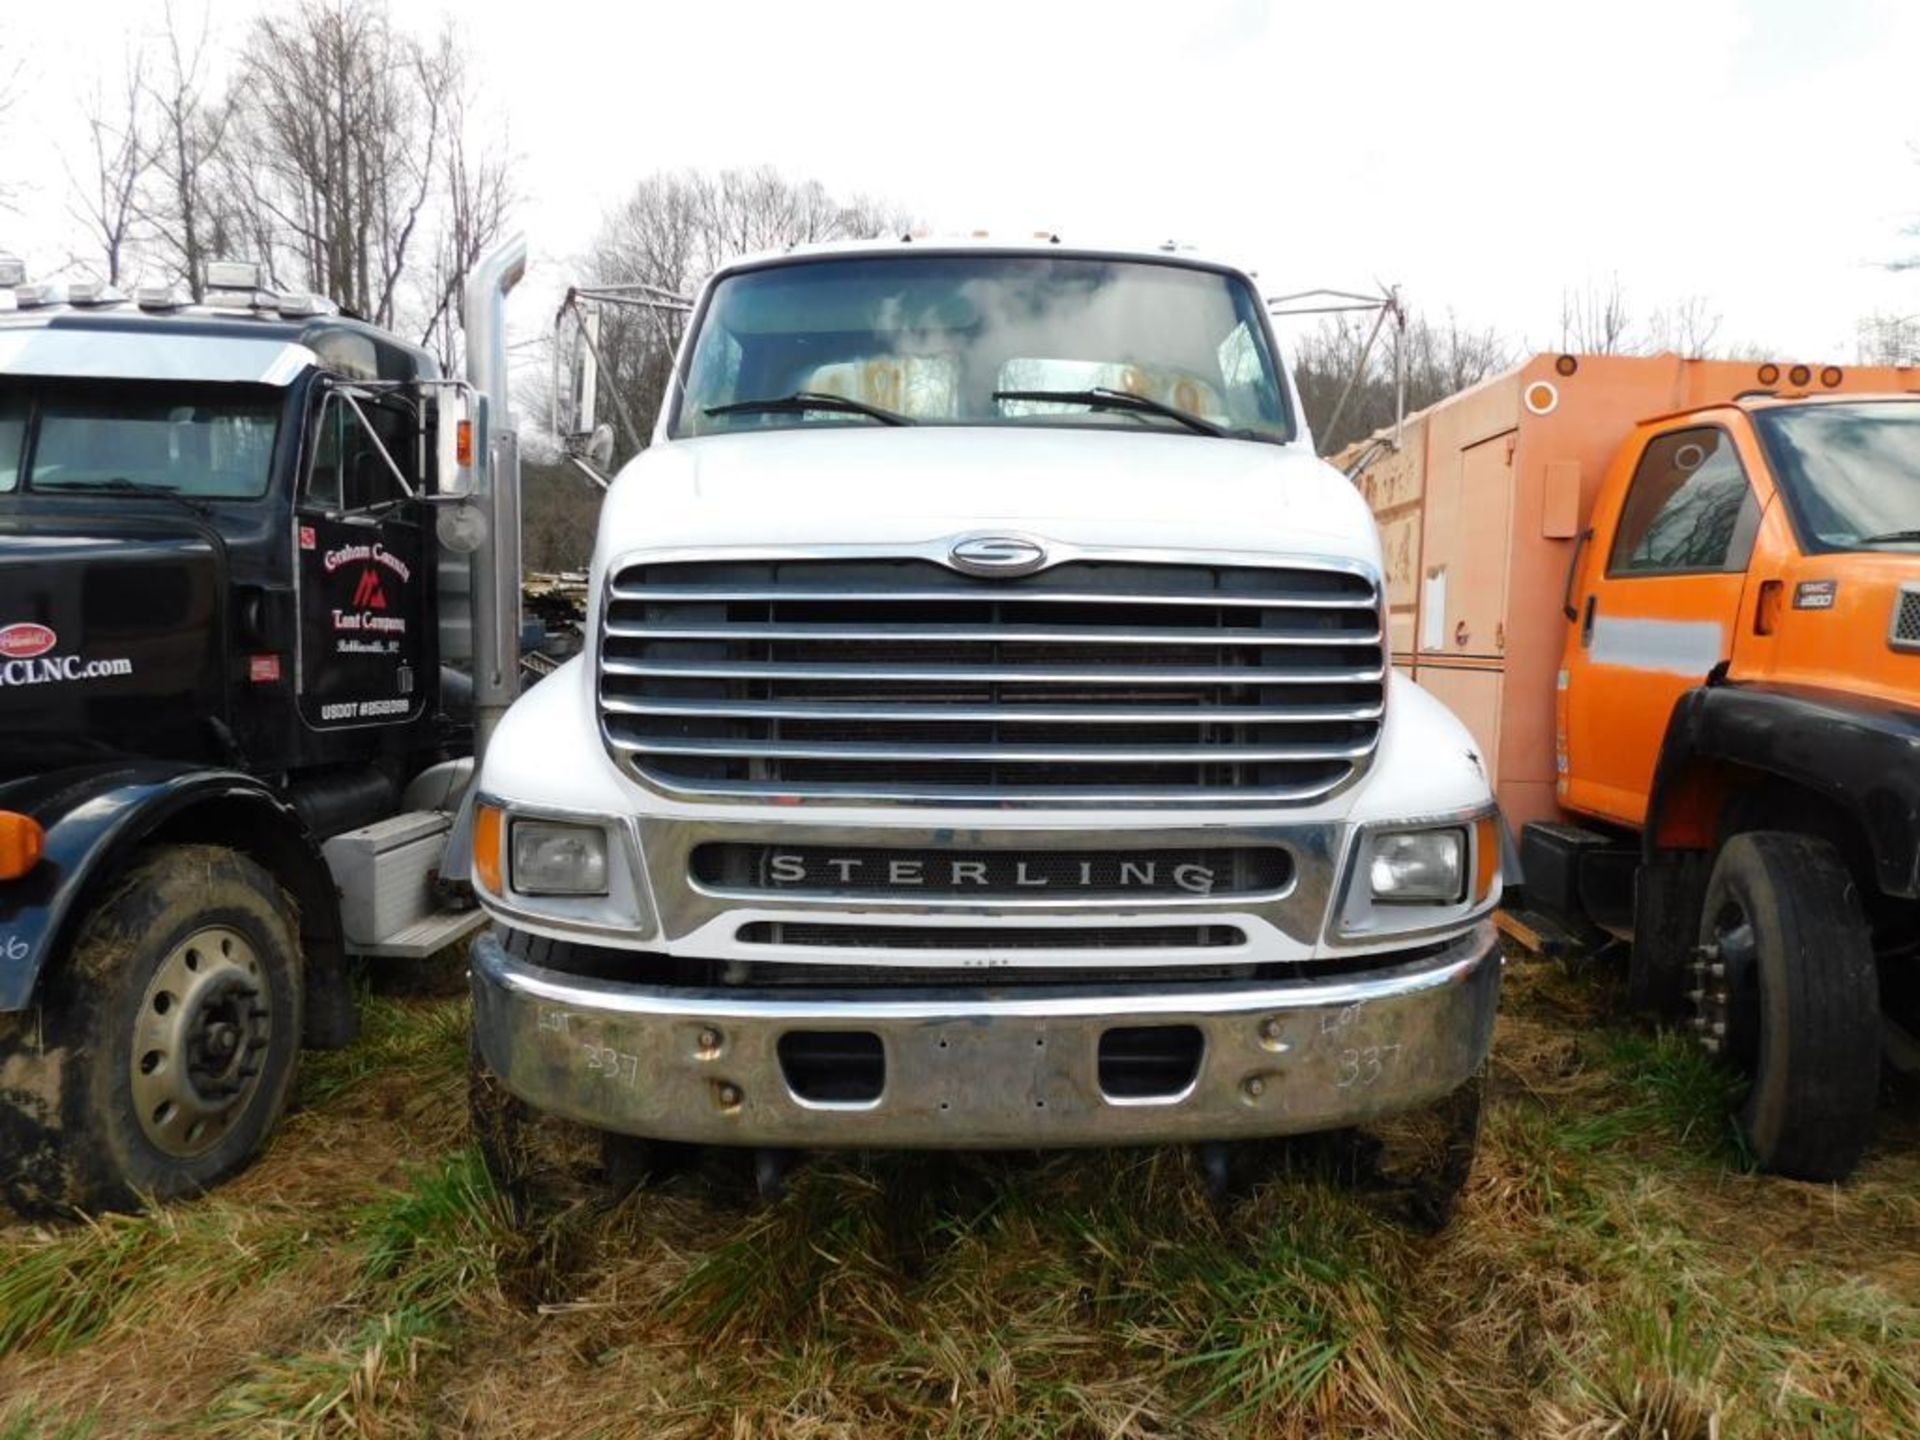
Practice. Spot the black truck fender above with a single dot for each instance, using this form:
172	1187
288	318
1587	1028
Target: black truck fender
96	816
1860	755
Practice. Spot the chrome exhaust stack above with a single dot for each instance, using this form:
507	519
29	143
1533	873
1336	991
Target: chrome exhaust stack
496	564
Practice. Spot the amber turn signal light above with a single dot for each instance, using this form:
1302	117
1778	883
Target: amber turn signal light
1486	856
463	443
22	842
489	830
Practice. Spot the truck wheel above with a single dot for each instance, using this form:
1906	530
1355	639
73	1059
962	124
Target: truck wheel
1785	987
544	1166
165	1043
1419	1161
1667	898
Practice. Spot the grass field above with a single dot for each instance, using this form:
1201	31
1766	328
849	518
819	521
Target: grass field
1614	1271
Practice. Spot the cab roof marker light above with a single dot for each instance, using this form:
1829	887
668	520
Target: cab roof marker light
29	297
90	292
246	275
1800	375
13	271
158	297
1831	376
304	304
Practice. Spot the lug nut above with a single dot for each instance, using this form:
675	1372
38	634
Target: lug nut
709	1039
1255	1085
1717	970
729	1095
1270	1029
1719	1030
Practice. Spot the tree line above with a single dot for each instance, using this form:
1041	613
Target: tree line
337	148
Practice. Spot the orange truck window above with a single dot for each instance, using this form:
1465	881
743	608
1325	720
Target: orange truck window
1690	508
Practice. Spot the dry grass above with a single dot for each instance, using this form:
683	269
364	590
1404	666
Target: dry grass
1615	1272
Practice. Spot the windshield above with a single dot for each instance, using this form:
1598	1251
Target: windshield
1851	472
932	337
209	442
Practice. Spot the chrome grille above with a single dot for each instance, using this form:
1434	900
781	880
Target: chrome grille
904	680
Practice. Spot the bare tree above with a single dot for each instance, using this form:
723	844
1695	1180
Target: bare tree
477	195
675	229
190	217
1442	359
105	200
1595	320
10	73
340	123
1686	327
1888	340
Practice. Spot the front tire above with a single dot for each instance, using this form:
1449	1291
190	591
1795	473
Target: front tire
163	1048
1787	989
542	1165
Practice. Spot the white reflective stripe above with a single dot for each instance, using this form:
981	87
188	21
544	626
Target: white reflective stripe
160	352
1673	647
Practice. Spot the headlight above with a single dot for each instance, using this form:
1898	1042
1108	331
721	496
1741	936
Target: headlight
1425	867
550	858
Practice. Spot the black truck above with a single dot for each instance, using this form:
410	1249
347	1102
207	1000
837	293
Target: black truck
258	590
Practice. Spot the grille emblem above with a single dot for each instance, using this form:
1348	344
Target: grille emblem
997	555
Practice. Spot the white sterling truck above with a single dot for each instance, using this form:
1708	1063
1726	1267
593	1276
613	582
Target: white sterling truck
985	738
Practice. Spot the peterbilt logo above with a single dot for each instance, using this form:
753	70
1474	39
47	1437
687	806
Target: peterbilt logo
997	555
25	639
863	872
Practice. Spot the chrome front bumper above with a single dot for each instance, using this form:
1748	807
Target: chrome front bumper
982	1068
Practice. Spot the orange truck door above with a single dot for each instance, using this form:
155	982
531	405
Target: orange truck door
1663	577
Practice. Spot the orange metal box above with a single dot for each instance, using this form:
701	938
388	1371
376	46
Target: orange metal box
1479	509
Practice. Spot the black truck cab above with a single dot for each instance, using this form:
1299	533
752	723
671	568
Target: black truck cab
234	727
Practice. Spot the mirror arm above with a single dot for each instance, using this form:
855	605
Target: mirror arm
603	481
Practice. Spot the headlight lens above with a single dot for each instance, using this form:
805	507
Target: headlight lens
1425	867
550	858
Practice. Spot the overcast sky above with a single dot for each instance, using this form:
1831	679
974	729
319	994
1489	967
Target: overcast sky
1487	155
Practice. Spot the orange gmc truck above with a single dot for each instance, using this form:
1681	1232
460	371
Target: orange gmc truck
1677	604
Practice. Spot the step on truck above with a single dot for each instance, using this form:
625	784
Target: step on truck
251	616
984	739
1677	603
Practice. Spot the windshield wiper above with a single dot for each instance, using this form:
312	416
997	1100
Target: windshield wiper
810	400
1101	398
120	485
1889	537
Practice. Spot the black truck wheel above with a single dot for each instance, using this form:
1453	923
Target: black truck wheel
1412	1167
1419	1161
542	1165
1785	987
161	1052
1667	897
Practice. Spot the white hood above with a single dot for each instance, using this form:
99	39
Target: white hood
871	485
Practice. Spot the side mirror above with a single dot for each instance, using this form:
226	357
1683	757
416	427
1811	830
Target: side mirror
576	385
600	447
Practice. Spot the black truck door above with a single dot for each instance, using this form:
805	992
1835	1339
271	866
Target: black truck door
363	573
